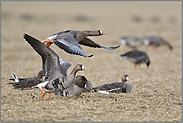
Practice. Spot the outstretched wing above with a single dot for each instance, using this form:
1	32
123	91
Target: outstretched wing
51	66
69	44
89	42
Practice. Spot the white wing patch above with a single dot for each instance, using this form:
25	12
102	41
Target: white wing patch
114	89
15	77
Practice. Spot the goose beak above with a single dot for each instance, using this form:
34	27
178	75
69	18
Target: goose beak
103	33
86	87
83	68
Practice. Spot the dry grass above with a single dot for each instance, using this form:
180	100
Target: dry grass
157	92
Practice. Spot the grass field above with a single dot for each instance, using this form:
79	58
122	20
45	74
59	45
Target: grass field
157	91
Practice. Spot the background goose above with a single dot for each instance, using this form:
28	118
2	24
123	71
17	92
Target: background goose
155	41
55	79
137	57
70	41
131	41
79	85
116	87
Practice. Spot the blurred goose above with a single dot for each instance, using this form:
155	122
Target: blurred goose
79	85
155	41
70	41
116	87
28	83
55	79
137	57
131	41
25	83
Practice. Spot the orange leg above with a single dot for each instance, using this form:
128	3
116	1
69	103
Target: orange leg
48	95
138	65
135	66
43	92
153	47
47	42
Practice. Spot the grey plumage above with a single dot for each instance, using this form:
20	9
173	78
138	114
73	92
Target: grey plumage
70	41
54	79
116	87
137	57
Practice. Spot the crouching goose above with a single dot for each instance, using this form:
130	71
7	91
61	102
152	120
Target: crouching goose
55	79
79	85
155	41
25	83
137	57
116	87
88	83
70	41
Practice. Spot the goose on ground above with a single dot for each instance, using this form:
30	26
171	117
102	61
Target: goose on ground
137	57
155	41
116	87
131	41
70	41
27	83
88	83
79	86
55	79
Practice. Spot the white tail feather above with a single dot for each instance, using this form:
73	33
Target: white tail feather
15	77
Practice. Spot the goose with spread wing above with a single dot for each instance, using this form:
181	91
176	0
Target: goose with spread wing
55	79
70	41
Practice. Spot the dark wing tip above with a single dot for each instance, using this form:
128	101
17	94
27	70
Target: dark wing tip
111	48
90	55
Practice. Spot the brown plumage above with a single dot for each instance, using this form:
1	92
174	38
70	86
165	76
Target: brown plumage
70	41
116	87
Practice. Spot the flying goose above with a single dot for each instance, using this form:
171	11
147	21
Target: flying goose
131	41
70	41
116	87
55	79
137	57
79	85
155	41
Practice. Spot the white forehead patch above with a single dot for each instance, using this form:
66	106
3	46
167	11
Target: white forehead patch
101	32
83	67
123	41
146	42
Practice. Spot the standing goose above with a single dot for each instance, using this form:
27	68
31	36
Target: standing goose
55	79
28	83
155	41
137	57
24	83
79	85
70	41
116	87
131	41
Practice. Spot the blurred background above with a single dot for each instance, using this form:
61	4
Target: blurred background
116	19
